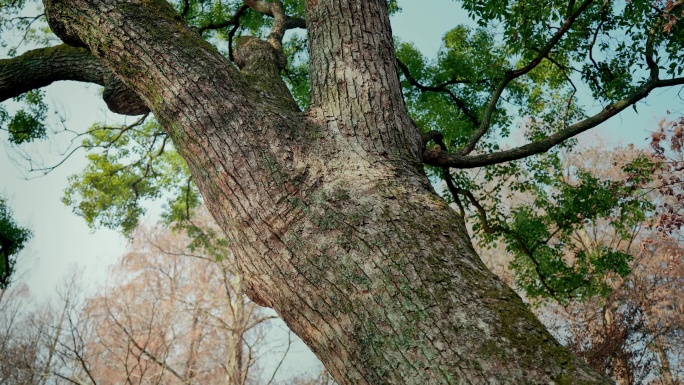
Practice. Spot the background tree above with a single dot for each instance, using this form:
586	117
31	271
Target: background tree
174	313
630	328
330	214
18	346
174	317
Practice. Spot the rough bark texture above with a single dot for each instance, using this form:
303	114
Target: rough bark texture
43	66
332	219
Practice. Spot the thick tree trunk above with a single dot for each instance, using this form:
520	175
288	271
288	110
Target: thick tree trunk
333	222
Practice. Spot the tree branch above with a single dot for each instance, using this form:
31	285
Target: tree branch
186	8
235	20
441	88
143	349
436	157
43	66
492	229
281	23
511	75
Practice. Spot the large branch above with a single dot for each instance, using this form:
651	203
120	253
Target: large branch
436	157
43	66
281	23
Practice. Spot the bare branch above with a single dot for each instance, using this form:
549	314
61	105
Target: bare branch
69	151
142	348
287	350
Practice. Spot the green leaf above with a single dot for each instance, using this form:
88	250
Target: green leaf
13	238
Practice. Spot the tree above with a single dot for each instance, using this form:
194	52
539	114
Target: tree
631	330
175	316
18	348
634	333
329	211
169	315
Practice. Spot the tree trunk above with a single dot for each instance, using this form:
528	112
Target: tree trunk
332	219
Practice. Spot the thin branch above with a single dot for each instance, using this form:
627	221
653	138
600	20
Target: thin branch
65	378
438	139
491	229
436	157
441	88
79	356
289	344
143	350
47	169
28	30
446	175
564	69
511	75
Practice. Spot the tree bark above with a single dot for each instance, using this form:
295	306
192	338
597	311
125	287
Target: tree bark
43	66
332	219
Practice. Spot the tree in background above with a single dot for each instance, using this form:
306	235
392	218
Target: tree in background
18	347
173	313
323	187
631	328
175	316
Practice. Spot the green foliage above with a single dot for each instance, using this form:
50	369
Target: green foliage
27	123
606	43
13	238
602	52
548	262
137	164
393	7
465	73
551	216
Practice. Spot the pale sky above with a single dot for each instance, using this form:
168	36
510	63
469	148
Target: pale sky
61	239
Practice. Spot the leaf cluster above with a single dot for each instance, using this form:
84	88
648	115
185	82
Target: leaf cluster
136	164
13	238
27	124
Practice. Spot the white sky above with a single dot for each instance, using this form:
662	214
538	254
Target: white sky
62	239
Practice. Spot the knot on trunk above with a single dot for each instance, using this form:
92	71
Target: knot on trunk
257	57
121	99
